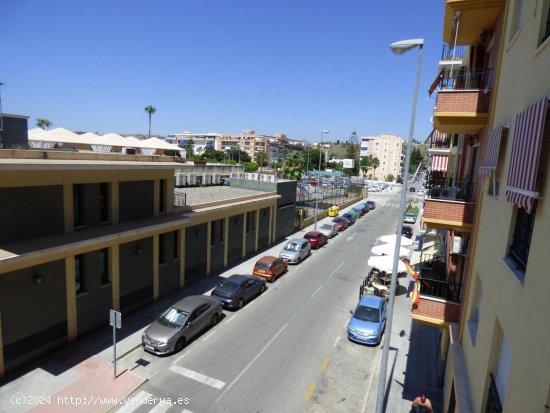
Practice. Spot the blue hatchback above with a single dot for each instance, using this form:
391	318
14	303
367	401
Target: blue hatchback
368	321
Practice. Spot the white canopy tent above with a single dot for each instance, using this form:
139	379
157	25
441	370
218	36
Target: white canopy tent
389	249
392	239
385	263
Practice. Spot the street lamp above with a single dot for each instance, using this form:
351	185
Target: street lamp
318	180
398	48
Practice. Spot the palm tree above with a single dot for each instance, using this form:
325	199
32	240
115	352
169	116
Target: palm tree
150	110
261	158
43	123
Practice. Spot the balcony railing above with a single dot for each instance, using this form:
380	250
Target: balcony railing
452	53
452	190
493	400
441	144
442	289
180	199
459	79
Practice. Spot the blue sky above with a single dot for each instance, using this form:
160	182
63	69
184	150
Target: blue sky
283	66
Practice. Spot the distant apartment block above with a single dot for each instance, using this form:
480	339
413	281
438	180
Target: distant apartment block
388	149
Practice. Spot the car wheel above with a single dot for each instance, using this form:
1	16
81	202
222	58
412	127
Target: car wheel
299	260
214	320
180	344
240	304
262	289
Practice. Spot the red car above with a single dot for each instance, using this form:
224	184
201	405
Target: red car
342	223
316	239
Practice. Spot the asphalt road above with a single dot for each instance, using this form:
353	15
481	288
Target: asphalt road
274	354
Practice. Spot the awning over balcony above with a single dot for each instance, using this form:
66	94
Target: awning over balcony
524	160
491	153
435	83
439	163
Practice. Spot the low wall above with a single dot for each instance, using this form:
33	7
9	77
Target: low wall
322	214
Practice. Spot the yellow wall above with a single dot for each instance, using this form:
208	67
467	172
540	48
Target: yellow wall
521	311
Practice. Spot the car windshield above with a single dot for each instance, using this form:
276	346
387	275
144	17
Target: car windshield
409	215
310	236
263	265
173	318
367	314
326	227
292	247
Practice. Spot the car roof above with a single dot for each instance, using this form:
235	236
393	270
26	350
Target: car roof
371	301
296	241
267	259
188	304
238	278
314	233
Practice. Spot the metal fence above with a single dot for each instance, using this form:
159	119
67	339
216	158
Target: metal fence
459	79
452	190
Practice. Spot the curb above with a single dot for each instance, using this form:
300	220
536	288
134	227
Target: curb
118	405
375	373
125	353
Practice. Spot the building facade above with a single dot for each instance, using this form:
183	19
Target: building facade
388	149
486	287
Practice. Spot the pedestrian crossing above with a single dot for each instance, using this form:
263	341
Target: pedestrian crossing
145	402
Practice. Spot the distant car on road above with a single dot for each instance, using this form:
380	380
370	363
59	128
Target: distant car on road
360	209
269	267
329	230
237	289
180	323
371	205
407	231
295	251
409	218
316	239
412	189
368	321
342	223
351	217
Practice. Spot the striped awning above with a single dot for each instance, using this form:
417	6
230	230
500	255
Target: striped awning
439	163
491	153
524	160
439	136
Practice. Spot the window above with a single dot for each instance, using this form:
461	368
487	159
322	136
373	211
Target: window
104	202
473	323
517	17
494	185
503	368
79	274
104	266
521	241
176	239
78	206
546	21
162	249
162	193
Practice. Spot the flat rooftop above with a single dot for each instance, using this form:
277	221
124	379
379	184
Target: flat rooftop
207	194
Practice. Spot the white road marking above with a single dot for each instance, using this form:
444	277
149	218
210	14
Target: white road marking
231	319
182	356
134	403
356	247
161	407
336	341
250	364
346	324
206	337
348	239
201	378
337	268
316	291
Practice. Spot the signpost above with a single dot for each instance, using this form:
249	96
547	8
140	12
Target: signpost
115	320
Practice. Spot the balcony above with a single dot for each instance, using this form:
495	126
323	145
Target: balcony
452	55
462	101
450	205
475	17
439	302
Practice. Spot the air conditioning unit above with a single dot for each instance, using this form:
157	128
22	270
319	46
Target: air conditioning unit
252	176
270	178
207	179
191	179
216	179
457	245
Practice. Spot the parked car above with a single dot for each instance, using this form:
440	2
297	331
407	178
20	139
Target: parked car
412	189
342	223
361	209
316	239
371	205
329	230
270	268
407	231
409	218
368	321
351	217
180	323
295	251
237	289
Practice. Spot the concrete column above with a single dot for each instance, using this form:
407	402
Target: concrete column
269	226
208	246
70	289
155	267
274	216
225	240
114	202
68	212
243	254
114	274
156	197
181	249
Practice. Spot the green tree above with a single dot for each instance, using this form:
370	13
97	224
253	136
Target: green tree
237	155
314	155
261	158
43	123
250	166
188	146
293	165
369	162
375	163
150	111
352	150
416	159
390	178
213	155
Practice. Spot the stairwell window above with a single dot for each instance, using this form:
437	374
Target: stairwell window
517	17
473	323
521	240
546	21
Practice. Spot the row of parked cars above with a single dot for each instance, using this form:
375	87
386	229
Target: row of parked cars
190	316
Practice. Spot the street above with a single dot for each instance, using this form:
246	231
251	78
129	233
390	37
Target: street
285	351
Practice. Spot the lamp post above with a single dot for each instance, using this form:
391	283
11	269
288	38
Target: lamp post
318	181
398	48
